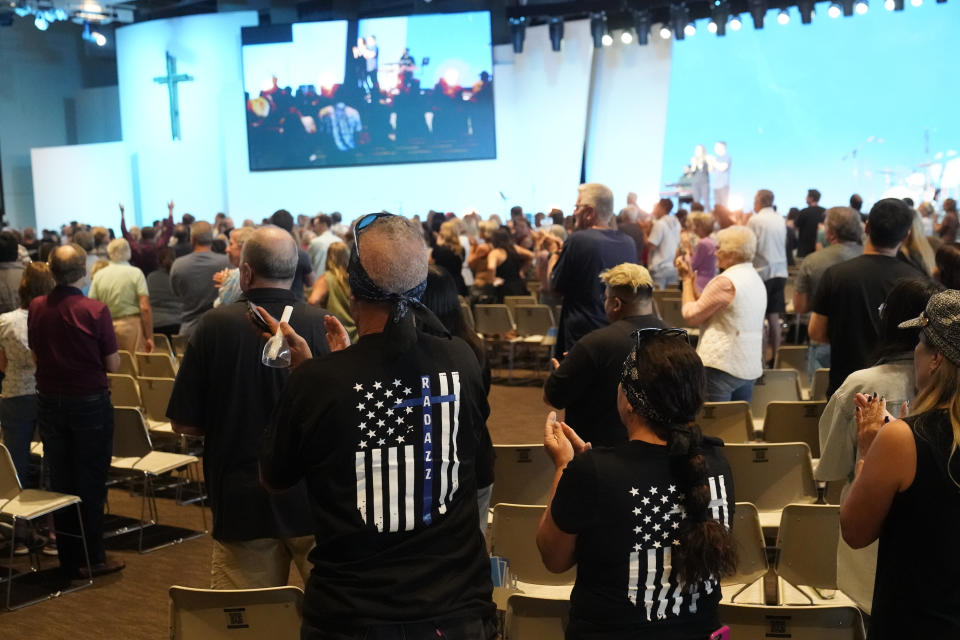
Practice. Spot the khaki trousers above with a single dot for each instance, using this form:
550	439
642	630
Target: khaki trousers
259	563
129	334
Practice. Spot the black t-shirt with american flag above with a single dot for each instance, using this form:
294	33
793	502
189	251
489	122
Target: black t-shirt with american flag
387	433
625	506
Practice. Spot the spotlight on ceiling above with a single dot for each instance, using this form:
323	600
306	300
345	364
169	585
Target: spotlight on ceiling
834	11
665	32
847	6
893	5
735	23
680	21
518	31
712	26
598	28
806	11
556	33
783	17
758	9
641	24
626	37
861	7
719	16
41	23
916	3
99	38
606	40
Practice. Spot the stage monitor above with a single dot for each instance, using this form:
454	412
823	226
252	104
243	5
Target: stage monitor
379	91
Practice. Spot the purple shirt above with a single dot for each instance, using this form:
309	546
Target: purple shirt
704	261
70	335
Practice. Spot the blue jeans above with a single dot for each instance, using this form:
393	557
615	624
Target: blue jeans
469	628
818	357
664	275
18	419
723	387
77	433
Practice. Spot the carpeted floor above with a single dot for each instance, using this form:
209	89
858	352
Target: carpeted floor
132	604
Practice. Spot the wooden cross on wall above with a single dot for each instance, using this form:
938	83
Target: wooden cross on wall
171	80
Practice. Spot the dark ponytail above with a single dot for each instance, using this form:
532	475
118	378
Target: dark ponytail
663	379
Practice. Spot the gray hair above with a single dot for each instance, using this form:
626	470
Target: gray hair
201	233
738	240
393	254
271	253
598	196
118	250
845	224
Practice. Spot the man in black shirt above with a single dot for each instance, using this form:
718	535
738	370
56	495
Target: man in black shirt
808	222
304	276
847	301
386	434
574	270
224	393
585	383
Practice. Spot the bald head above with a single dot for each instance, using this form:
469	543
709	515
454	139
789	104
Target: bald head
393	254
269	259
68	264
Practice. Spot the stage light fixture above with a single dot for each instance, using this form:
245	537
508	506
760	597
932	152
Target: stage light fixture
680	21
861	7
783	17
735	23
606	40
99	38
712	26
641	24
806	11
598	28
665	32
41	23
758	9
21	11
834	11
916	3
556	33
690	30
893	5
847	6
720	14
518	31
626	37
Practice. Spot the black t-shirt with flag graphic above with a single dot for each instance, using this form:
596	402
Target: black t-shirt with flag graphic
625	506
386	433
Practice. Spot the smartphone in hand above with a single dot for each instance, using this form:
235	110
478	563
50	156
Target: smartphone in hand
257	318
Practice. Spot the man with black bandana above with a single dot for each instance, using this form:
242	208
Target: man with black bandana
386	434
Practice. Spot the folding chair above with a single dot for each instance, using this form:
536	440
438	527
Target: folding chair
467	315
156	365
729	421
751	554
794	422
17	503
217	614
807	551
771	476
531	617
797	623
124	390
666	294
133	452
155	393
821	380
179	344
513	301
535	327
524	474
796	358
774	384
671	312
162	344
515	538
127	364
494	322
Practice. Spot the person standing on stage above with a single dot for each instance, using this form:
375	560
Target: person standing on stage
720	168
699	172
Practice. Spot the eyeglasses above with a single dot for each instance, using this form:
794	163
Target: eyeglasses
363	223
642	335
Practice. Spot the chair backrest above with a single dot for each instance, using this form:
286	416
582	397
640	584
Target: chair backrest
665	294
771	476
179	344
524	474
751	548
467	315
124	390
130	436
515	538
9	481
156	365
729	421
794	422
796	623
162	344
794	357
513	301
807	539
208	614
156	396
671	312
492	319
818	388
529	617
127	364
774	384
533	319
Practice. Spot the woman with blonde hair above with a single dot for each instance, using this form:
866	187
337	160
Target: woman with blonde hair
907	488
449	254
333	289
483	276
916	249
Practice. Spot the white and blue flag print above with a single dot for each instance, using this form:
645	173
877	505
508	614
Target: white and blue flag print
407	450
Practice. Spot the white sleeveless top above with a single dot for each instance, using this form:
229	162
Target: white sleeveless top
732	339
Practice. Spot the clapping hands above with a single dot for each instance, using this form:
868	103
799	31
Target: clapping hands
872	415
561	441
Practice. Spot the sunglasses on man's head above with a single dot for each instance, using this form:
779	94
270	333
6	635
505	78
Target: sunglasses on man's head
642	335
365	222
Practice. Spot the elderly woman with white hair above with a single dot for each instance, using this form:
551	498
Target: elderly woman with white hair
730	312
123	288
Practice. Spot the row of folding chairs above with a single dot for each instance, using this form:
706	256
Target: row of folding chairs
529	321
158	364
148	393
734	422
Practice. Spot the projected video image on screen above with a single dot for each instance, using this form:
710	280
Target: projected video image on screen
380	91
